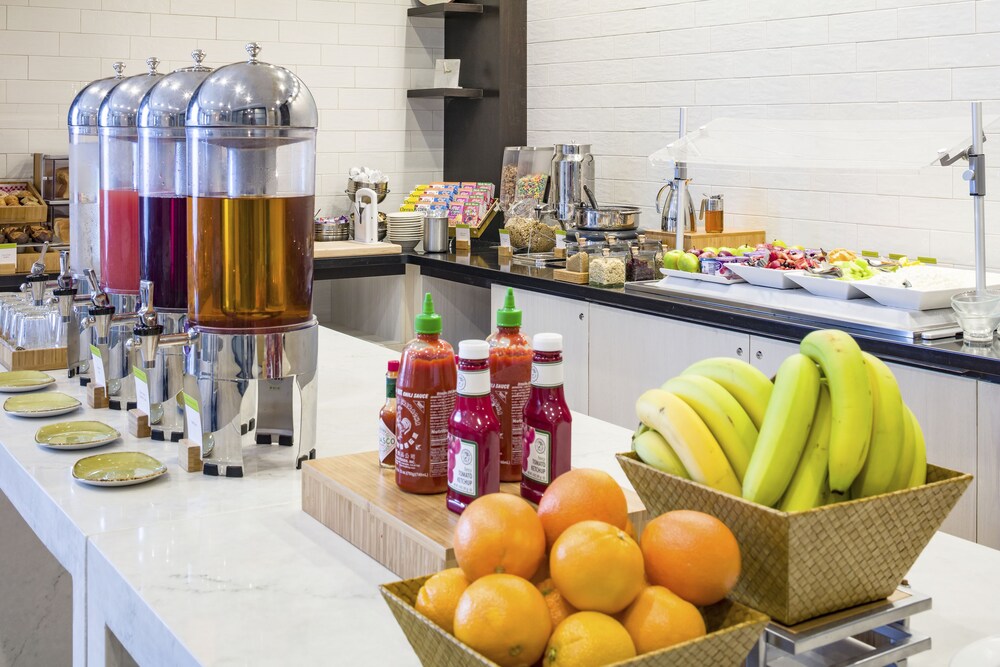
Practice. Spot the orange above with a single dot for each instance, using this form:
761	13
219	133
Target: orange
597	567
499	533
588	639
658	619
504	618
439	596
580	495
559	609
693	554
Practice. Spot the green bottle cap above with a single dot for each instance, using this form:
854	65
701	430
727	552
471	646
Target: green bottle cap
427	322
509	316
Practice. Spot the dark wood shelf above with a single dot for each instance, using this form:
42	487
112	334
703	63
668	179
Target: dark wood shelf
467	93
445	9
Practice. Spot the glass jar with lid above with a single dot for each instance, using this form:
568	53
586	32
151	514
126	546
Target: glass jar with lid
607	270
644	260
579	253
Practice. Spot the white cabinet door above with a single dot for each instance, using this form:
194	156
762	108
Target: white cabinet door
767	353
946	408
571	318
632	352
988	479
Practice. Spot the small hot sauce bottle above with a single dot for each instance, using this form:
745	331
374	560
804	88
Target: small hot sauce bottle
546	447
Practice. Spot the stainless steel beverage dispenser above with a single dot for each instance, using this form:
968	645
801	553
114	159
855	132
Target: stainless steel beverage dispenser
572	168
252	340
163	223
84	219
119	210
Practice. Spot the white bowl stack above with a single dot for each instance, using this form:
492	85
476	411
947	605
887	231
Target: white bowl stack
405	228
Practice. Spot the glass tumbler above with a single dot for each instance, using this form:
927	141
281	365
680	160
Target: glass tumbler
978	314
33	331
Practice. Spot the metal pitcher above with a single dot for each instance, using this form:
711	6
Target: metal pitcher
668	209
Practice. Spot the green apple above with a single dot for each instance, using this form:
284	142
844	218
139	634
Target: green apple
714	251
731	251
744	249
778	243
688	262
670	258
799	247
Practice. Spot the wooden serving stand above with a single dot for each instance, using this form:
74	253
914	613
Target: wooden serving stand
732	239
48	359
323	249
409	534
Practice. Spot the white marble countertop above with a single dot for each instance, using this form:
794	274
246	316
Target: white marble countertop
192	569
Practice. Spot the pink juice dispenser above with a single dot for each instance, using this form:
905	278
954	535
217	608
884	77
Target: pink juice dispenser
119	215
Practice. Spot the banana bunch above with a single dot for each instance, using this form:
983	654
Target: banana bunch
831	427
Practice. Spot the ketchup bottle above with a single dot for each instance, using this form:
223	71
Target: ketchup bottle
510	384
473	430
425	398
547	443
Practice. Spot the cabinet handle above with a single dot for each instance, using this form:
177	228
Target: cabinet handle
759	355
581	316
739	352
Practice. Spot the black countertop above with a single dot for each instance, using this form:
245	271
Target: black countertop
483	268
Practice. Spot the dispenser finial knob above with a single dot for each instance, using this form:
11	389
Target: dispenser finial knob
198	55
253	48
152	63
119	68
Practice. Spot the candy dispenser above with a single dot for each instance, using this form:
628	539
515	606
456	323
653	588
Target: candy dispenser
119	209
84	218
252	340
163	190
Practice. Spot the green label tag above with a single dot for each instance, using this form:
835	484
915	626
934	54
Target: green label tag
927	260
8	246
95	351
139	373
896	255
869	253
189	402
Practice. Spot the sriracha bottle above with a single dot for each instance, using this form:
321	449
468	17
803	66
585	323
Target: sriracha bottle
510	384
473	430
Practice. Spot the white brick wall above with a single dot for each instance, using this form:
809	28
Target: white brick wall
358	58
782	59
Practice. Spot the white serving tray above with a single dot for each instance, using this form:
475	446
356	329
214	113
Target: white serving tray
828	287
702	277
911	298
772	278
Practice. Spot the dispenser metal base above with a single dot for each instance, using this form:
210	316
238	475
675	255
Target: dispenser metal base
120	383
872	635
166	382
254	388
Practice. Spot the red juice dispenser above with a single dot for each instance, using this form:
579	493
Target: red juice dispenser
252	340
119	214
163	220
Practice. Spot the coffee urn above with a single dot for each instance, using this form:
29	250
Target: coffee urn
252	339
163	223
84	218
119	211
572	168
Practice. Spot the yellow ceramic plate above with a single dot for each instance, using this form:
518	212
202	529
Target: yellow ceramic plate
47	404
76	435
117	469
16	382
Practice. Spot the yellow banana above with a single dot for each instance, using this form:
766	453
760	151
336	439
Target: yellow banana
887	431
808	488
746	384
839	356
653	450
722	414
908	453
783	436
918	475
639	430
690	439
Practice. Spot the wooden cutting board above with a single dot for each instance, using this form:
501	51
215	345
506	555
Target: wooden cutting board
409	534
323	249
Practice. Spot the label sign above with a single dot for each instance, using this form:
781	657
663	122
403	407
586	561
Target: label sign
141	389
462	234
8	253
504	238
560	238
98	367
193	419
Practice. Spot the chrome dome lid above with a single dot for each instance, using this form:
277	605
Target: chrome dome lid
166	103
83	111
121	106
253	93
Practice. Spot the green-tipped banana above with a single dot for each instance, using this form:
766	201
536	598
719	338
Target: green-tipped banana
782	438
746	384
690	439
918	475
725	418
653	450
907	455
808	488
639	430
839	356
887	431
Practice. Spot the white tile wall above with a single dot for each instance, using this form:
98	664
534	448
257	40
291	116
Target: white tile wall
616	77
358	58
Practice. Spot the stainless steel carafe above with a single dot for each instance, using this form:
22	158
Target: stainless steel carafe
572	168
668	208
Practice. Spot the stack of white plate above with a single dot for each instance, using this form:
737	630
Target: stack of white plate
405	228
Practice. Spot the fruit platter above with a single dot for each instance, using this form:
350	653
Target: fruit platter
821	473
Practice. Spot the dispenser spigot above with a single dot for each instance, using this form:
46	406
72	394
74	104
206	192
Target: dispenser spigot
35	284
65	278
147	331
97	294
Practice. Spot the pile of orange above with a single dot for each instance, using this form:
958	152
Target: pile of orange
569	585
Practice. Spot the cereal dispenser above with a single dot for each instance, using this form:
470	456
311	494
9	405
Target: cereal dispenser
252	341
84	218
163	221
